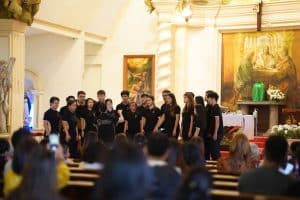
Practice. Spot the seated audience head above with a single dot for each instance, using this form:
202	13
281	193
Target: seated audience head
276	150
22	154
81	96
125	175
39	177
140	140
101	95
125	96
94	153
173	151
199	141
54	103
4	153
70	98
66	151
89	103
191	154
120	138
19	135
45	143
293	148
239	148
72	106
199	100
196	185
157	146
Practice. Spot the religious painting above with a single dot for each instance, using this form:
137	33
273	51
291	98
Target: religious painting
272	57
138	75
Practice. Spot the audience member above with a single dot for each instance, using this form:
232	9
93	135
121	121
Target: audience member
121	138
13	176
38	180
166	179
126	175
255	154
4	154
267	179
93	156
196	185
192	155
140	140
89	137
239	159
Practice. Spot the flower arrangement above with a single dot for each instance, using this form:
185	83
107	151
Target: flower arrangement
287	131
275	94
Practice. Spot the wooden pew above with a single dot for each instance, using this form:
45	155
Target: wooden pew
224	177
225	185
84	177
81	170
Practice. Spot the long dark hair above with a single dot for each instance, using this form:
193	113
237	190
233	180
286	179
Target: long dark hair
199	101
39	178
173	104
191	104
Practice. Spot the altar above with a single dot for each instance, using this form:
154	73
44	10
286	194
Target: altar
273	110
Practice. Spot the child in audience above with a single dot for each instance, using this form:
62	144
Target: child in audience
38	180
94	156
196	185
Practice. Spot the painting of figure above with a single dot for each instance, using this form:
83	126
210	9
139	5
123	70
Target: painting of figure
270	56
139	75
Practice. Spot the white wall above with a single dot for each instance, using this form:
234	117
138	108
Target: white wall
58	62
134	34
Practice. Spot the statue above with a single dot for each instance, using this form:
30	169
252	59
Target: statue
22	10
5	85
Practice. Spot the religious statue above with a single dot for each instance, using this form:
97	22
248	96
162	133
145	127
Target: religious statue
265	60
244	78
5	85
22	10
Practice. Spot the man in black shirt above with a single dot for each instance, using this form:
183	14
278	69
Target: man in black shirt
164	96
124	108
81	112
150	117
141	108
64	109
51	117
214	134
100	105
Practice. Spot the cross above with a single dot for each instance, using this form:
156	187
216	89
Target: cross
259	15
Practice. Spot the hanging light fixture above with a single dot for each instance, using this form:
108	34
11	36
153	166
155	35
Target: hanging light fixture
184	8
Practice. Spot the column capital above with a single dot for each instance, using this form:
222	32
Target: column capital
8	25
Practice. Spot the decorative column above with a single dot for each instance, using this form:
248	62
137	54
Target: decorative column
38	112
13	31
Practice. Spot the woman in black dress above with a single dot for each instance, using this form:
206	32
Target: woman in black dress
107	122
200	118
132	121
70	131
170	117
90	116
187	124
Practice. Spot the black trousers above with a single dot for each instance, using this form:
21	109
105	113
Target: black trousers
212	148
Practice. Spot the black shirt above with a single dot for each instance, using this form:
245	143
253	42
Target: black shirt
90	121
81	111
133	119
215	111
52	116
186	119
125	110
151	116
99	107
141	109
72	120
170	118
63	111
200	118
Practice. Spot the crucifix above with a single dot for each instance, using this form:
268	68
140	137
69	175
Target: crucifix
259	15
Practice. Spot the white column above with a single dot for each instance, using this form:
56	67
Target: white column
14	31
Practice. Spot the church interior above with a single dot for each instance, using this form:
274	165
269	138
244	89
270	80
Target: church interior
82	78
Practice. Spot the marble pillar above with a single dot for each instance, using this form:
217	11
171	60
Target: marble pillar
13	32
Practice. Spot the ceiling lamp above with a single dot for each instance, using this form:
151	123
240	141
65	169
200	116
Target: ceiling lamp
184	8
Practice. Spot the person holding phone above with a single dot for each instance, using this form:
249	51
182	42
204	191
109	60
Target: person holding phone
51	117
70	131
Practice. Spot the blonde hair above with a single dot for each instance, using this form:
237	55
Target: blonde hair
239	149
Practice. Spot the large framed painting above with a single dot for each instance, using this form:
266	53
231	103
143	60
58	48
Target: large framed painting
139	75
272	57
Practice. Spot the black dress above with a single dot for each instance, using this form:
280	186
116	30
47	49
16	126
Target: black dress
186	122
133	120
200	119
90	121
72	120
106	122
170	119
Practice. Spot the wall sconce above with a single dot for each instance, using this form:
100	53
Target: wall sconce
186	12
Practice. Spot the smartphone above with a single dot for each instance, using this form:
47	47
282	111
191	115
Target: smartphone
286	169
53	141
